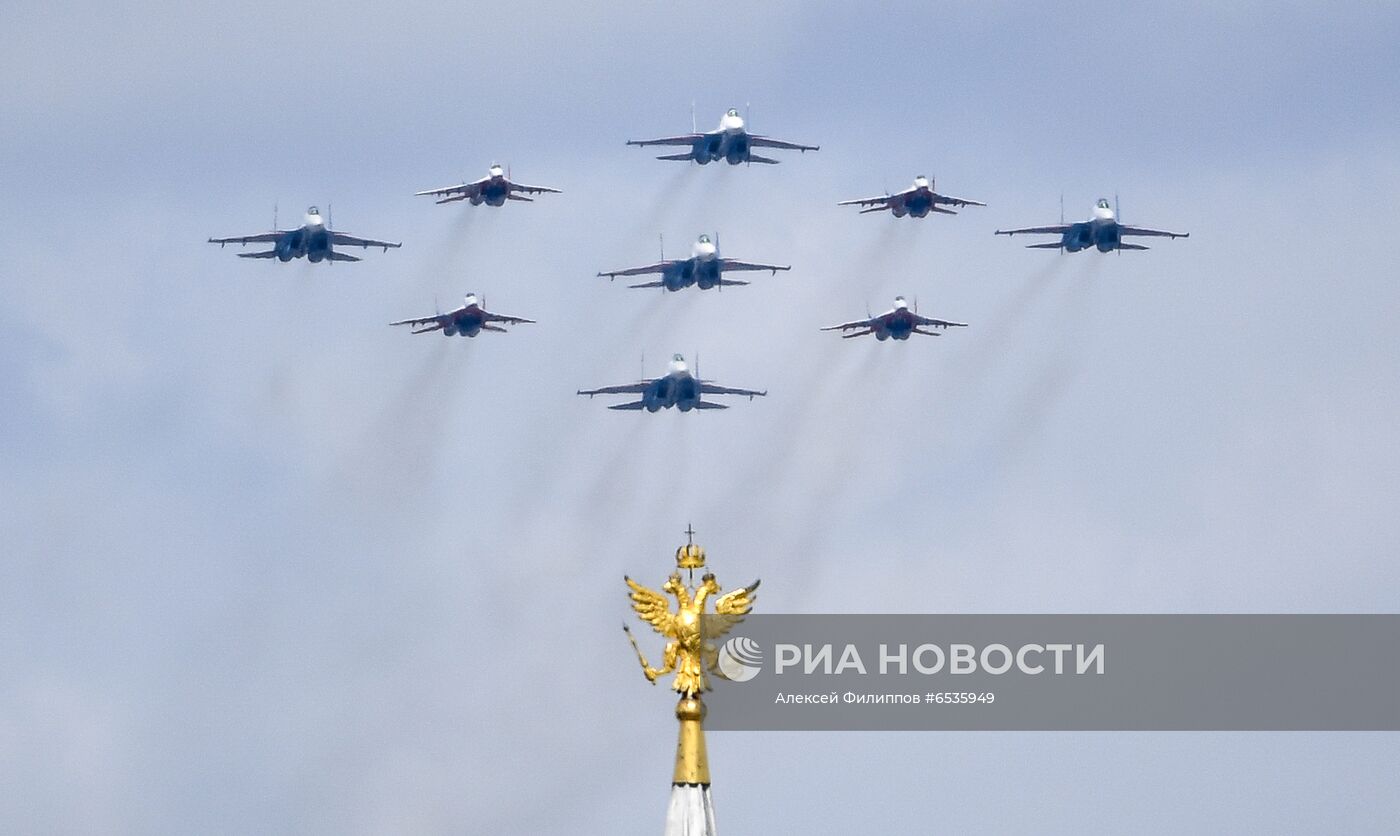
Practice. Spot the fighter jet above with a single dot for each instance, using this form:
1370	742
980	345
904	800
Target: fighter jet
313	239
917	201
494	190
704	268
468	320
1102	231
898	322
679	388
727	142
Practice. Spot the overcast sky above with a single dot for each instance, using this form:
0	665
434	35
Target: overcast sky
270	566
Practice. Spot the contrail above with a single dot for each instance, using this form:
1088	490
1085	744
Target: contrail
988	341
1059	366
674	192
400	446
442	259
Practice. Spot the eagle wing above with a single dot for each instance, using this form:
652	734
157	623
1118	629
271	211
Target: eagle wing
730	609
652	606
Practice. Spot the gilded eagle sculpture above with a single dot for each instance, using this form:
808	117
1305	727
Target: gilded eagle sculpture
689	629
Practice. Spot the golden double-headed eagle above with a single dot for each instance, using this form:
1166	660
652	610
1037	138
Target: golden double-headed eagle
689	652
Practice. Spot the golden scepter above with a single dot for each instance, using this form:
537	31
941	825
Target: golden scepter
646	668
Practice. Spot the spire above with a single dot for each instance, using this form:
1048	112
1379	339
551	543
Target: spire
692	763
691	813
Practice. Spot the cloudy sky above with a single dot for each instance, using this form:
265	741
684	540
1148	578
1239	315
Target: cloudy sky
268	565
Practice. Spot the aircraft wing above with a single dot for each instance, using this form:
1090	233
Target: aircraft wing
259	238
859	323
1142	230
1058	229
756	141
432	323
682	139
421	321
938	323
707	388
509	320
520	187
734	264
625	389
883	200
955	201
463	189
342	240
657	267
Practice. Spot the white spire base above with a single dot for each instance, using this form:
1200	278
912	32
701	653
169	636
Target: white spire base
691	813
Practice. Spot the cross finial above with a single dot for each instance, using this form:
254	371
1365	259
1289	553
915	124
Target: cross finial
689	534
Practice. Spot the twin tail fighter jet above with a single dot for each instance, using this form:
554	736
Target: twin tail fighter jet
494	190
678	388
314	240
897	323
704	269
468	321
916	201
1102	231
730	142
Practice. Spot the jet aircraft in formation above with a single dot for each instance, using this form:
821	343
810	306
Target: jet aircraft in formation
1102	231
705	268
730	142
898	322
468	321
678	388
494	190
917	201
313	239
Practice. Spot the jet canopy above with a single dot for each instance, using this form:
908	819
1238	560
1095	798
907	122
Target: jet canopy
1103	203
732	112
704	239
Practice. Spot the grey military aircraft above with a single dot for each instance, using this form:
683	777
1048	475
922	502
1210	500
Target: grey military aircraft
730	142
468	321
494	190
704	269
1102	231
916	201
898	323
313	239
678	388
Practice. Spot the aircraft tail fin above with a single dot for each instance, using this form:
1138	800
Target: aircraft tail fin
942	210
520	197
875	209
635	405
648	284
335	256
754	158
1049	245
268	254
686	157
1132	247
493	328
723	282
709	405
